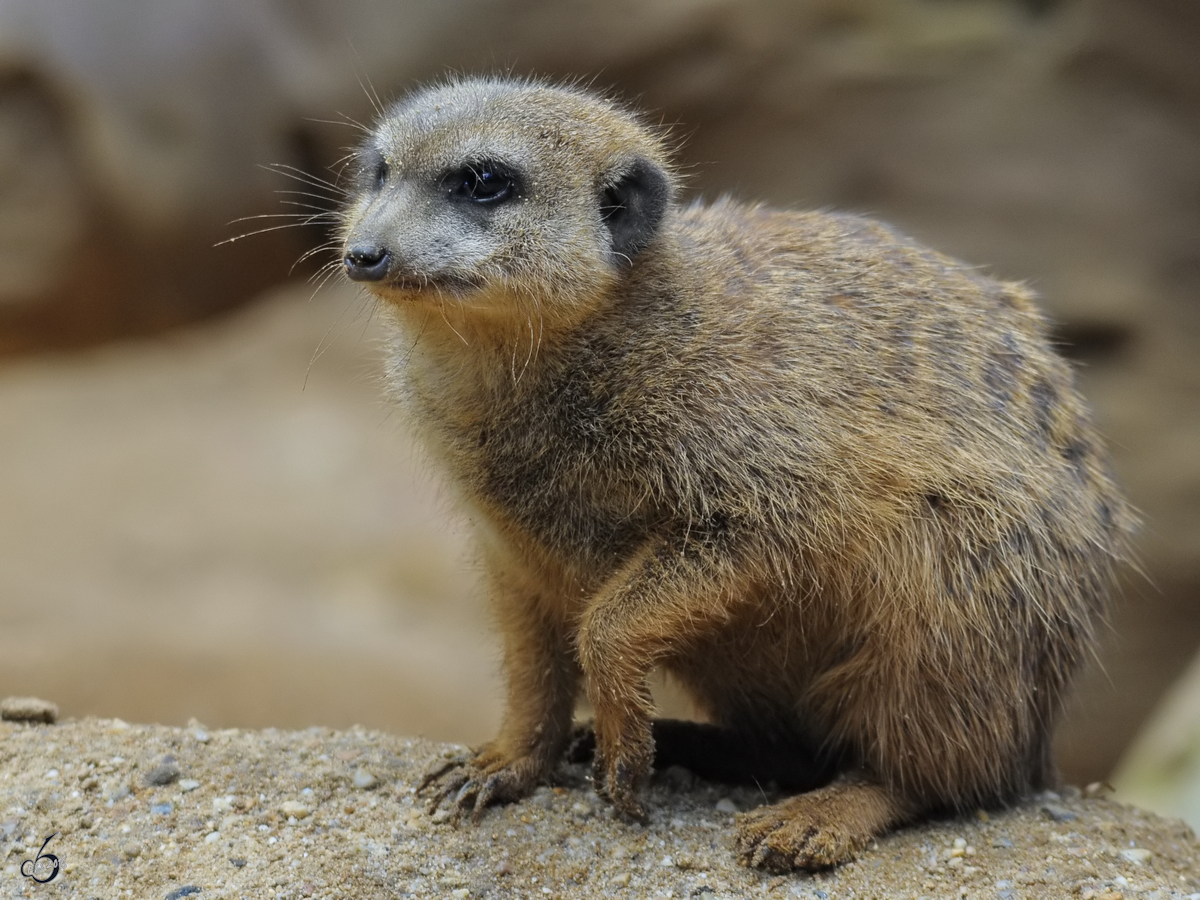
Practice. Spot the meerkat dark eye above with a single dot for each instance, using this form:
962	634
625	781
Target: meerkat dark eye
481	183
373	170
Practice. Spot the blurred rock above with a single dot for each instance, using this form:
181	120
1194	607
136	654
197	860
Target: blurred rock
43	218
1162	769
28	709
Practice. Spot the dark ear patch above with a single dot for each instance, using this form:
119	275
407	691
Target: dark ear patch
632	208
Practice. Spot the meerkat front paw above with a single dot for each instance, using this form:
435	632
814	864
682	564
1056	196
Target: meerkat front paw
473	782
621	767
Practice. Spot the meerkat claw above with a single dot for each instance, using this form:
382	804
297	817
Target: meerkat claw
436	771
490	791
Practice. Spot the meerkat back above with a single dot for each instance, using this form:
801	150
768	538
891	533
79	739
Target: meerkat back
838	484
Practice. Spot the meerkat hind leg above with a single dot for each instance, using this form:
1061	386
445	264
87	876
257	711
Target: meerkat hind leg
821	828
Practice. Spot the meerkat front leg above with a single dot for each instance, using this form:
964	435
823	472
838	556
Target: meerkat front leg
543	681
666	595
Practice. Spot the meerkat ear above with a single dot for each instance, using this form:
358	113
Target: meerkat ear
632	207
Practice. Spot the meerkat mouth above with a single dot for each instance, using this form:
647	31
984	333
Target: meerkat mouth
376	267
413	287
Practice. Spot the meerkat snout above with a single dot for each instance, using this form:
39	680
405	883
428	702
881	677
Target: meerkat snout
366	262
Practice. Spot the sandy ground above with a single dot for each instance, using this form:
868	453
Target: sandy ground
170	812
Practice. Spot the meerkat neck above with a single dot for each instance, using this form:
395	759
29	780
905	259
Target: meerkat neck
512	336
475	349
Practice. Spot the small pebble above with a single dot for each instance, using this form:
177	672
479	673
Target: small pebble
1136	855
621	880
292	808
678	778
28	709
162	774
162	809
186	891
212	837
725	805
1058	813
237	863
188	784
364	780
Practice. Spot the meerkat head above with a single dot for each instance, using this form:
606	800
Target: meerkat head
490	190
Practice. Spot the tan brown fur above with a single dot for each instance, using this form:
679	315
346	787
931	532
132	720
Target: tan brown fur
839	485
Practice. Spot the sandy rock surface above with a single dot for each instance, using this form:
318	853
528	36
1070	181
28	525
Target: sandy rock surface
161	812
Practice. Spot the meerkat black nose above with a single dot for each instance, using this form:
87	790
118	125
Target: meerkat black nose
366	262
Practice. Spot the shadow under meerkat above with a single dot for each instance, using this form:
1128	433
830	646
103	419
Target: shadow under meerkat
837	484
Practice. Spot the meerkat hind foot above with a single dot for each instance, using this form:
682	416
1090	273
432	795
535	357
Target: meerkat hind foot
819	829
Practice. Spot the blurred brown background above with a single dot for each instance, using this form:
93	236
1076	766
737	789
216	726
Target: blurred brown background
206	509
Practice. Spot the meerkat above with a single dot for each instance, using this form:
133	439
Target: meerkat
836	484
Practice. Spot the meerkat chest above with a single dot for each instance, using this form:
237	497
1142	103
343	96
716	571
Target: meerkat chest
555	460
